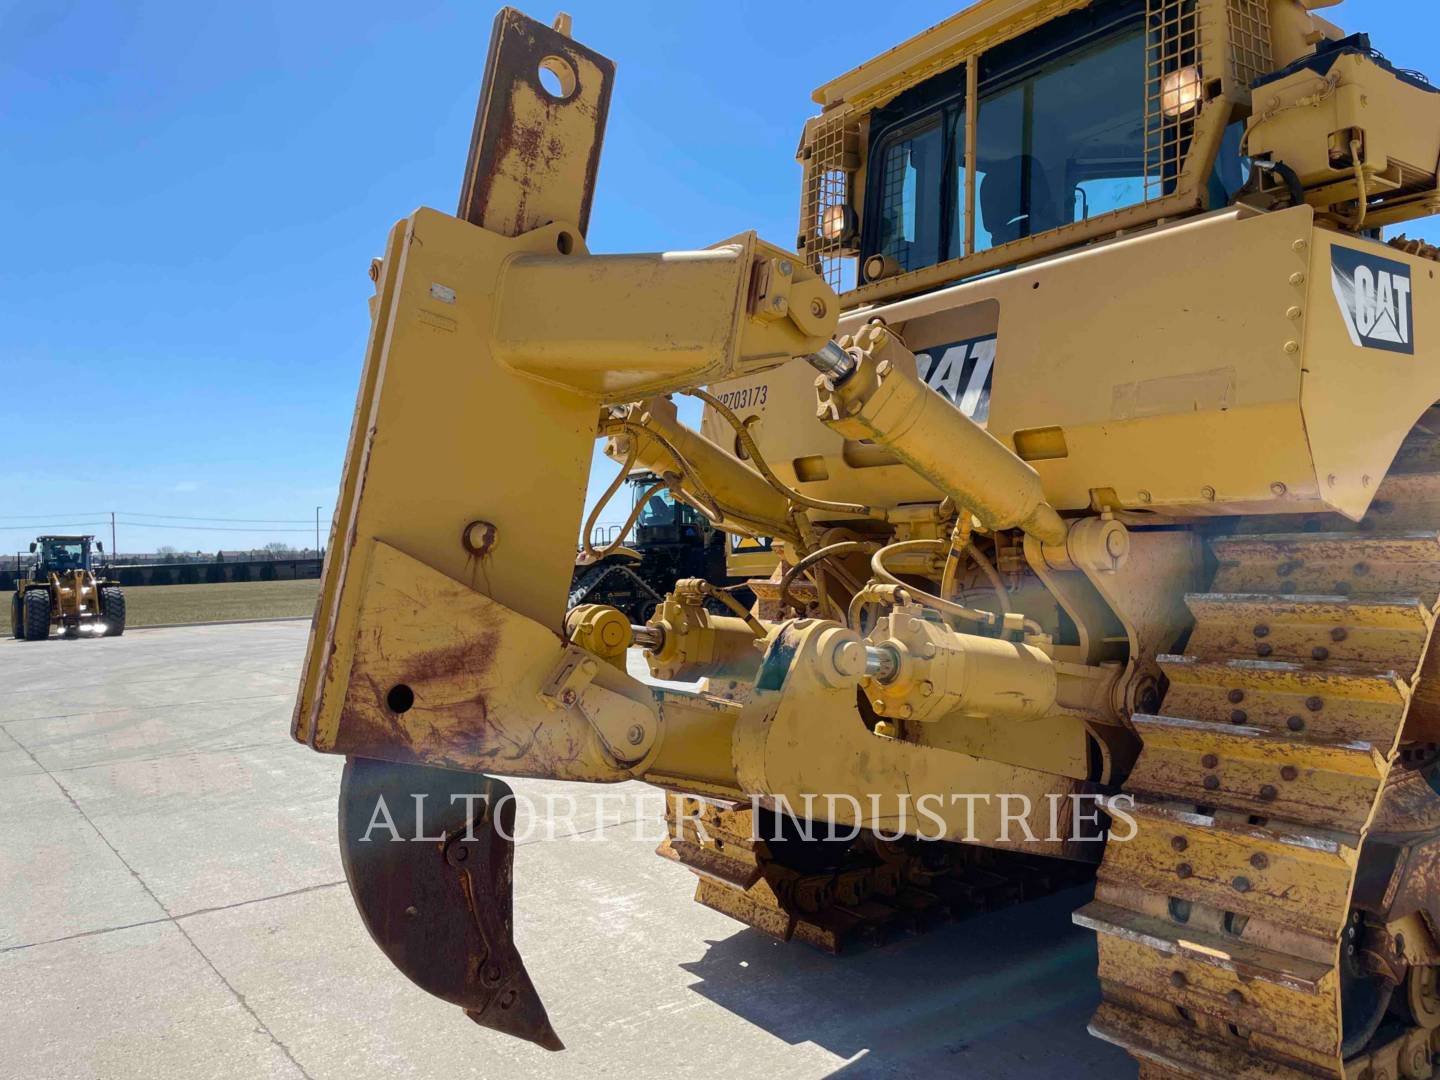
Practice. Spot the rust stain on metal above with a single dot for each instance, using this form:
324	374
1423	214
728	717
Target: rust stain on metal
534	156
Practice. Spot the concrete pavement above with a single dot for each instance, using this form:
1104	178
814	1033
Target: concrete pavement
172	906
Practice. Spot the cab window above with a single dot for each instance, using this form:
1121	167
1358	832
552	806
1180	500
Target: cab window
1060	138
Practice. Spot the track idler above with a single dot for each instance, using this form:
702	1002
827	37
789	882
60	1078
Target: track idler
428	854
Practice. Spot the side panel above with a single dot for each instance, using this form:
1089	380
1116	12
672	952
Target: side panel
1205	368
1369	374
1170	362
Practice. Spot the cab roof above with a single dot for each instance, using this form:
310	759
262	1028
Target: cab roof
64	536
942	46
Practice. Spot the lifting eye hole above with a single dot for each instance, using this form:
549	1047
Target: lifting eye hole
557	77
564	243
400	699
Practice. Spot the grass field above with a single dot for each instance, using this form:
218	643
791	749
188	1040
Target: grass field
153	605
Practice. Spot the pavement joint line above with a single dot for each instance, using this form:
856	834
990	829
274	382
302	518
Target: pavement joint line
578	832
147	708
259	899
239	997
172	918
264	669
84	934
162	757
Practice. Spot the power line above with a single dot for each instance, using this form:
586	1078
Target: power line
183	517
205	528
78	513
23	520
50	525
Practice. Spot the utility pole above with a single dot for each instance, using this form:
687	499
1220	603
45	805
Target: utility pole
317	532
112	537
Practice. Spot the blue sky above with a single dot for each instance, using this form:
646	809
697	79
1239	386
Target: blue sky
192	194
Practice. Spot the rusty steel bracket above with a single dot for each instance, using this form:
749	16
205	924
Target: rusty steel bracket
627	727
428	856
535	151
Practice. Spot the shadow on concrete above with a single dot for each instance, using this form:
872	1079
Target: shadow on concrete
1006	994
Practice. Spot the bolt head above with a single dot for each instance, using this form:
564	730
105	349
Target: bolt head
636	734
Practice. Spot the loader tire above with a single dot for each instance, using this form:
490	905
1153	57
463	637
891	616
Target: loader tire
17	618
37	615
112	610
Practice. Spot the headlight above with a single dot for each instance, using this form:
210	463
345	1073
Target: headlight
837	222
1180	92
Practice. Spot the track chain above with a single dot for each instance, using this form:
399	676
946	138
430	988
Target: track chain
860	894
1288	737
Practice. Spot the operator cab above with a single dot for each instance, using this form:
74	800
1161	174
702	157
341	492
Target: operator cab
62	554
1060	138
961	152
663	519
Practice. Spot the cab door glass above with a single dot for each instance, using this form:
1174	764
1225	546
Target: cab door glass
1063	143
911	174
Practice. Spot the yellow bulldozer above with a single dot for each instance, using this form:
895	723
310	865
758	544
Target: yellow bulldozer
63	590
1087	438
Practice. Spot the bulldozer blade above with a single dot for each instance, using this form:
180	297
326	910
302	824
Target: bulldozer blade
428	854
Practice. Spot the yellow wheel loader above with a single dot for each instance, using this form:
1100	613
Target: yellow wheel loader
1085	447
62	590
